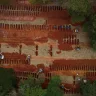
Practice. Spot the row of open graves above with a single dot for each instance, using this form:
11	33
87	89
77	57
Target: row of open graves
68	88
24	74
18	13
30	8
41	27
93	73
75	41
84	67
13	61
70	68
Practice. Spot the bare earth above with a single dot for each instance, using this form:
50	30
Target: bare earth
43	55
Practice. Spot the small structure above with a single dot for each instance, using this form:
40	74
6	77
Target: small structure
84	80
36	47
76	30
1	56
78	48
55	27
64	26
40	70
47	27
69	26
79	79
62	86
77	74
36	53
60	27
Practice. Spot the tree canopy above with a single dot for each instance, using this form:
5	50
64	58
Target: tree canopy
88	88
85	88
53	87
39	1
7	81
79	6
79	9
31	87
77	18
35	1
5	2
90	27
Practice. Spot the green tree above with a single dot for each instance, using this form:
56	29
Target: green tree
46	1
90	27
85	88
7	81
53	87
5	2
77	18
86	26
92	31
40	1
94	88
79	9
61	2
36	1
88	89
31	87
79	6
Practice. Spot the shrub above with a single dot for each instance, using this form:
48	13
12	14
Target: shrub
7	80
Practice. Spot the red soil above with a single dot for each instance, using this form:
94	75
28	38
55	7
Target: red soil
55	13
91	75
65	47
21	67
46	69
74	62
1	34
28	37
40	66
29	43
19	18
77	24
29	68
43	36
23	37
59	17
56	21
14	56
91	78
72	87
60	36
45	84
58	52
42	40
70	72
24	34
